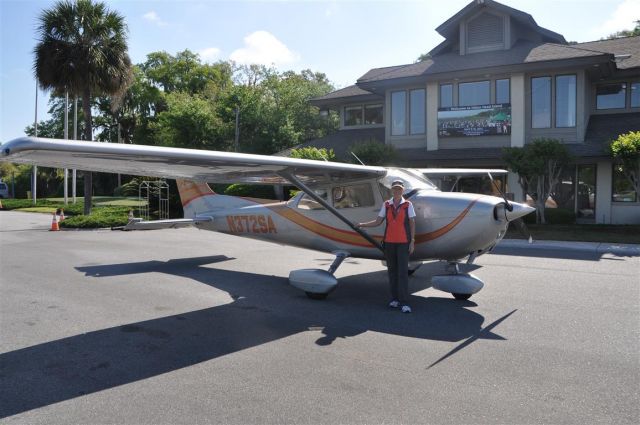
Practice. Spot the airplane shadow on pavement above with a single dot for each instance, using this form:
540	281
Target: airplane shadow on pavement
265	309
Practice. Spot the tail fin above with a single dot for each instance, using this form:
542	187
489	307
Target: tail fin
195	197
198	199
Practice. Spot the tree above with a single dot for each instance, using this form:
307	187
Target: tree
373	152
626	33
423	57
82	50
625	151
538	165
310	152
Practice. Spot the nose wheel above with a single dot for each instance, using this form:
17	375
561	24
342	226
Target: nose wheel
460	285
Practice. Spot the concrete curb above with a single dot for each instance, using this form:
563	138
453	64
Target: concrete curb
627	250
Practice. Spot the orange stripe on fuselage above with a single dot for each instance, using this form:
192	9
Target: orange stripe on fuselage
424	237
347	236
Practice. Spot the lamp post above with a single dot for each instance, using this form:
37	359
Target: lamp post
35	167
66	137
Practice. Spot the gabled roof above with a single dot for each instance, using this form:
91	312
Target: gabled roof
351	92
449	29
523	52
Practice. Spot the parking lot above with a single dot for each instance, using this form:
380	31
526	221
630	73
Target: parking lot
188	326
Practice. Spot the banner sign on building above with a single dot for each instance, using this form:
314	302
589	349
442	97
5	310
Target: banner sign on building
480	120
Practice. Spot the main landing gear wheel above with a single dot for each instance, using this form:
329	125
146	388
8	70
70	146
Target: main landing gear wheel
316	296
461	296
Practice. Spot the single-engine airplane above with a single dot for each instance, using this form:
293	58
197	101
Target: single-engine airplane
333	197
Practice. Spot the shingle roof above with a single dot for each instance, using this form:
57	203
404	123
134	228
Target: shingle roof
522	52
349	91
618	46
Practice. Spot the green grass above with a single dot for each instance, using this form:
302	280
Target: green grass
123	201
106	212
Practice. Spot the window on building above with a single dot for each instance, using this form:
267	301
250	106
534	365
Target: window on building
446	95
418	111
611	96
635	95
353	115
398	113
541	102
503	94
353	196
476	93
566	100
372	114
622	188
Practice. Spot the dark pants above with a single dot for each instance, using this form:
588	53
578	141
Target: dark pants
397	255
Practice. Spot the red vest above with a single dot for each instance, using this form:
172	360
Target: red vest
398	229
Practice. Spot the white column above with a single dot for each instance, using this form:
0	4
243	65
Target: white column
604	175
432	116
514	187
518	90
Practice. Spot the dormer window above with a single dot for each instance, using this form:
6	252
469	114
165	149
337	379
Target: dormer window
485	32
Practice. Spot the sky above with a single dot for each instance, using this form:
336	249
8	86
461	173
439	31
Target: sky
341	38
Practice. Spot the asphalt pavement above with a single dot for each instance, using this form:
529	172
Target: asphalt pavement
188	326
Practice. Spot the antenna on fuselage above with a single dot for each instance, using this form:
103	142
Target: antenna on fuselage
356	156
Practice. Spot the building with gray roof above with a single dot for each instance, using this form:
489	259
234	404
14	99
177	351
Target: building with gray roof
500	80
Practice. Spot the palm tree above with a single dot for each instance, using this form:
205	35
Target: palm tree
82	50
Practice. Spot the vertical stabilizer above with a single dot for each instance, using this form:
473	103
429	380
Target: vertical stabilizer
199	199
195	197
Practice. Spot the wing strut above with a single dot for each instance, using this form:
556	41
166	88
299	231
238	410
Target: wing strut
293	179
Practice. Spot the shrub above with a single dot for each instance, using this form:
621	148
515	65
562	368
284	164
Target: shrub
374	153
251	191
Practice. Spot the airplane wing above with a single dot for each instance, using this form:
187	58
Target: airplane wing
192	164
461	172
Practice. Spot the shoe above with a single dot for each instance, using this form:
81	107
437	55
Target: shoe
394	304
406	309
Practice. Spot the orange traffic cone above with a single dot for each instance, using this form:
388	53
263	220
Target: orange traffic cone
54	224
61	214
1	204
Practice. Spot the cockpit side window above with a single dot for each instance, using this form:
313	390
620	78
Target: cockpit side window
308	203
353	196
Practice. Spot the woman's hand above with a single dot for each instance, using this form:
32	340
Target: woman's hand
412	247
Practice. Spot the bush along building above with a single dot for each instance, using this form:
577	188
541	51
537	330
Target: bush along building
499	80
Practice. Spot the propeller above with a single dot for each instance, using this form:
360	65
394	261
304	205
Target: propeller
507	204
518	222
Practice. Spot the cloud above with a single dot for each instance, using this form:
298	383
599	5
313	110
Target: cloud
261	47
333	8
210	54
154	18
622	18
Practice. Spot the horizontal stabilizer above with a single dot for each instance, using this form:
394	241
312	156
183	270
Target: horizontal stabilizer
139	224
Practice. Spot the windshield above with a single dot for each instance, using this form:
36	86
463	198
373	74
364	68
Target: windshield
412	179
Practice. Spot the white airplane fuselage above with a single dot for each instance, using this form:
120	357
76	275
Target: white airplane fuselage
449	225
